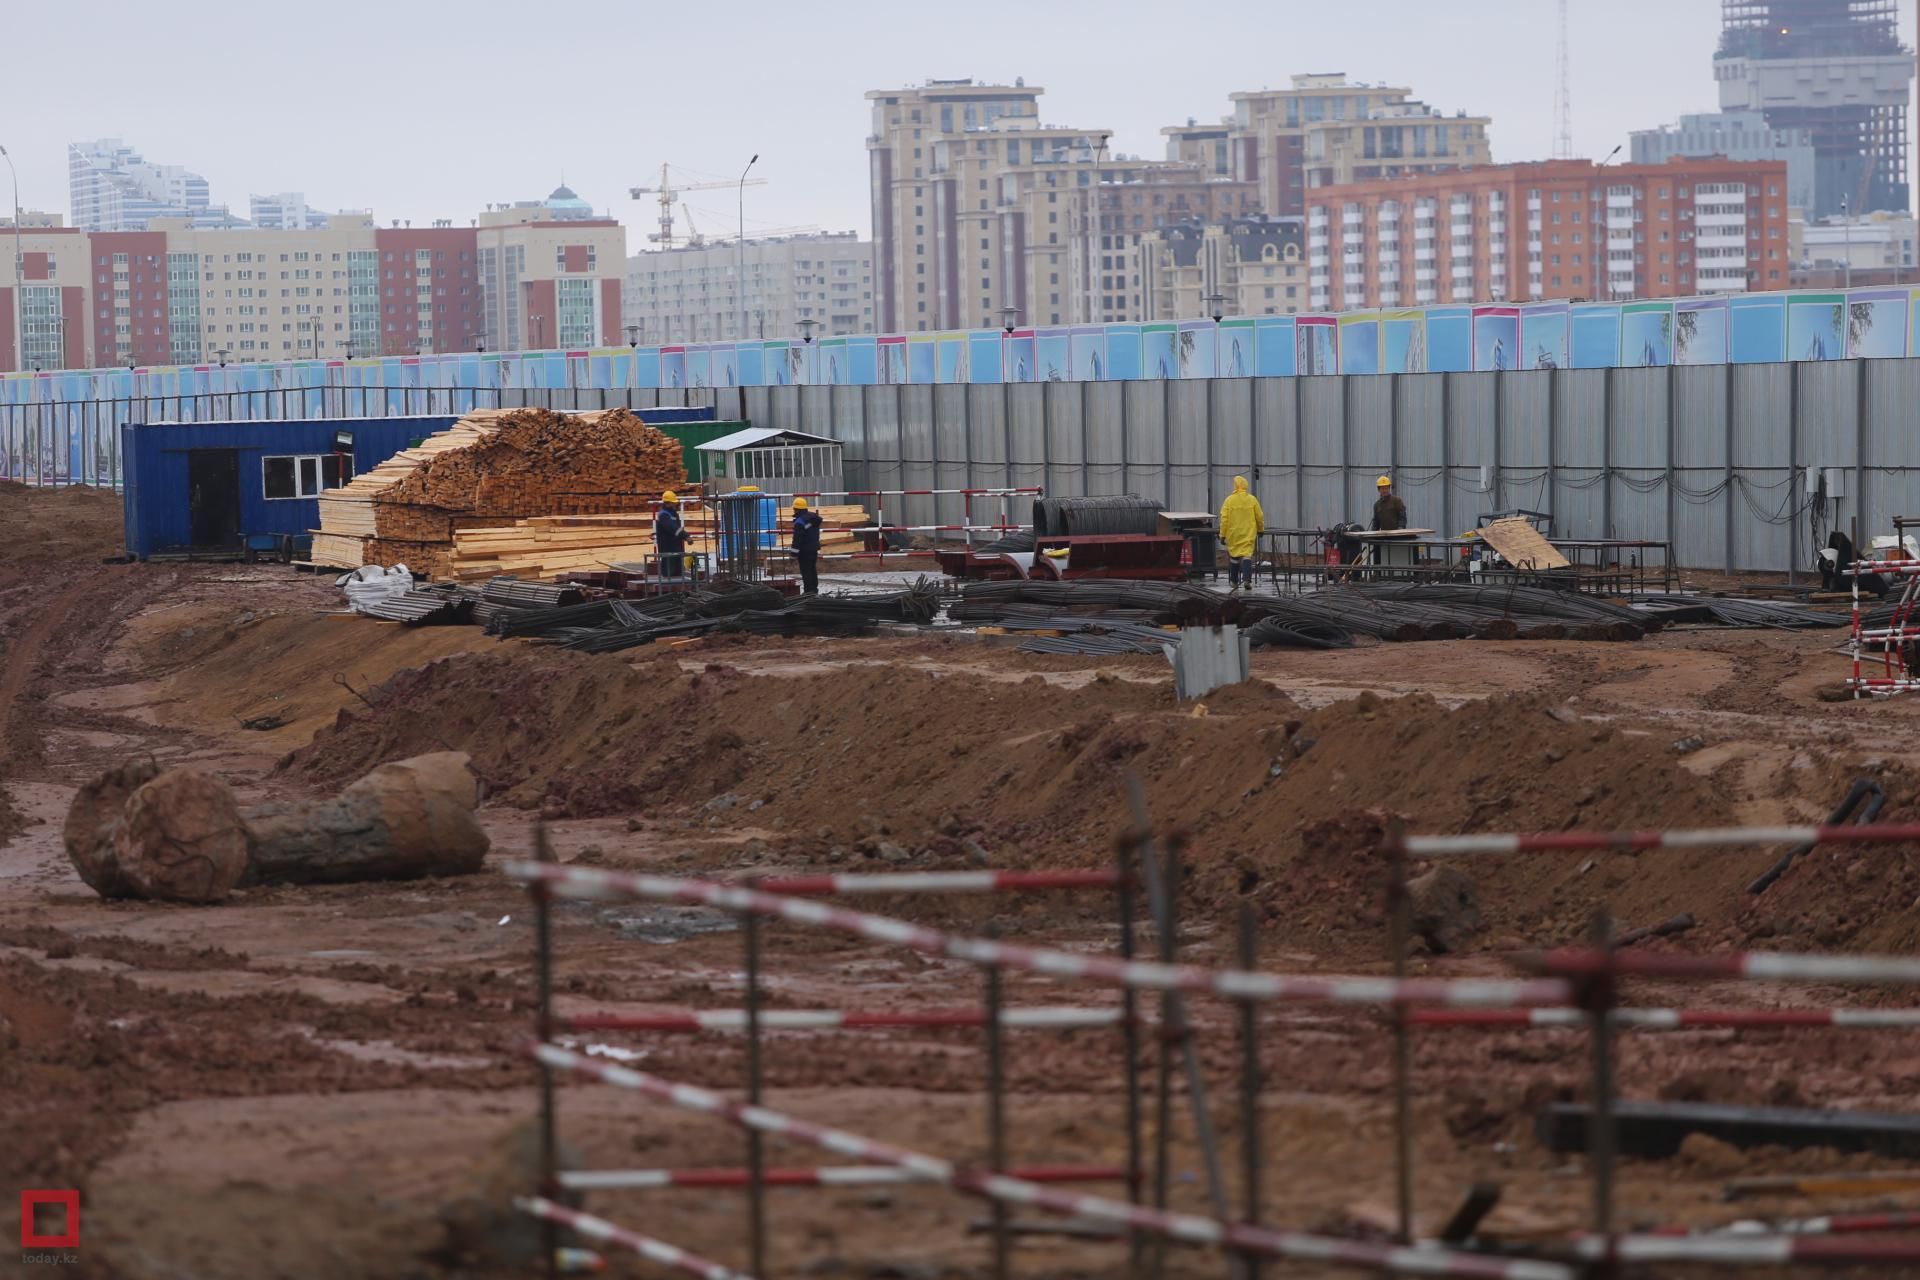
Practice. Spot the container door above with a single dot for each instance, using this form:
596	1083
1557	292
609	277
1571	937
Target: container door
213	496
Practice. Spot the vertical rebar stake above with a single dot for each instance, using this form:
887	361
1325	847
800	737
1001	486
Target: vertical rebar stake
997	1114
1250	1083
756	1144
1130	1044
1399	916
543	970
1601	1136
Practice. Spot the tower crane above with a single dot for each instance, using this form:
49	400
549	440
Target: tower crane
668	191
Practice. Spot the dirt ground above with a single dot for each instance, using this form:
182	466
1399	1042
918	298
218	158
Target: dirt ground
304	1082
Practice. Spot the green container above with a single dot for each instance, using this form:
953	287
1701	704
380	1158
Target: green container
691	435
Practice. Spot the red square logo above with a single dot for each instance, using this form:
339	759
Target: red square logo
30	1239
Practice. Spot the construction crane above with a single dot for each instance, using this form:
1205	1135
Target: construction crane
667	192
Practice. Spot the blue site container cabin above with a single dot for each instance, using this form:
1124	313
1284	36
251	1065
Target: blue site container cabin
216	487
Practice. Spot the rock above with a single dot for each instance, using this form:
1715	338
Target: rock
948	825
836	855
1711	1156
482	1228
756	806
723	802
182	839
466	922
1586	797
1445	908
1687	746
634	824
1303	745
1563	715
1276	768
1555	755
976	852
891	853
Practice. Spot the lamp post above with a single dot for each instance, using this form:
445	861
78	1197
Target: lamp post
1216	305
1846	252
633	335
806	330
740	249
19	270
220	354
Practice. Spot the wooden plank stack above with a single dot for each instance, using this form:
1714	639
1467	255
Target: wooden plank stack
491	468
1521	545
558	545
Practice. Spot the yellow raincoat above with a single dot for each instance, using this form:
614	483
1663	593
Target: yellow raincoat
1241	520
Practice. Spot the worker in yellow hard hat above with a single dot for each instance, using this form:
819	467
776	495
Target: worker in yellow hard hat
670	536
806	545
1241	523
1389	513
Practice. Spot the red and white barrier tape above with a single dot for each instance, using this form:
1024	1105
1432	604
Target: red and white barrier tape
582	882
1772	965
1838	1224
1668	1019
1190	1228
846	1175
938	882
1774	1249
607	1233
1708	837
841	1019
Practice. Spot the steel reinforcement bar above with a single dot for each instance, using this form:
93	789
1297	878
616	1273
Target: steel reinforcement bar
1234	984
1184	1227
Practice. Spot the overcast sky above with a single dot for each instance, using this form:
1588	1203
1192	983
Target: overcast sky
421	109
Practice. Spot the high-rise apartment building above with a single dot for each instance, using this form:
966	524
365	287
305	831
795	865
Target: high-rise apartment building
1239	267
695	293
289	211
181	293
113	188
1737	135
1555	229
1326	130
982	213
1835	70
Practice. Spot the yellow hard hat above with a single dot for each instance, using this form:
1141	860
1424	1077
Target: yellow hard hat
799	504
669	496
1383	482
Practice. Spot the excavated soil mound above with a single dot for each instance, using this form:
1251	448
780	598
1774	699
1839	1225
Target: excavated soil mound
905	764
39	525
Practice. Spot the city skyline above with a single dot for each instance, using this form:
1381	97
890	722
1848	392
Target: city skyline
423	155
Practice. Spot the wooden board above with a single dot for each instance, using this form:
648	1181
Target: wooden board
1521	545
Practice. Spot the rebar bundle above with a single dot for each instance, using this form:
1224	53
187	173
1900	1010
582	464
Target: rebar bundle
1713	611
1083	517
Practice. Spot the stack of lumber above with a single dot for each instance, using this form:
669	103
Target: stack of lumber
1521	545
554	546
490	468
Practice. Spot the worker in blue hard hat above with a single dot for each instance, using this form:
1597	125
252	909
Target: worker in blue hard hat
1241	523
670	536
806	545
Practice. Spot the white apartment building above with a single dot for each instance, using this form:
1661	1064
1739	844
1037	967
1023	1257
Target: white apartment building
113	188
695	294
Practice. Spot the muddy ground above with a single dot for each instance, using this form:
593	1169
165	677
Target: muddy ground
302	1081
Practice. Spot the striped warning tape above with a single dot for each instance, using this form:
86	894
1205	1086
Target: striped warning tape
1186	1227
1669	1019
583	882
843	1019
846	1175
607	1233
1589	841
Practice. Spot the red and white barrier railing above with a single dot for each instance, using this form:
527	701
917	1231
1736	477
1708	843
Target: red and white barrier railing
1234	984
828	1176
1731	1249
1057	1019
1710	837
607	1233
1765	965
1189	1228
937	882
1834	1224
1668	1019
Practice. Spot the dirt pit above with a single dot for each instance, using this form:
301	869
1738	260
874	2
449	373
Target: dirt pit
299	1082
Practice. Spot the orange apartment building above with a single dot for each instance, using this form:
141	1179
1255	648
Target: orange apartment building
1561	229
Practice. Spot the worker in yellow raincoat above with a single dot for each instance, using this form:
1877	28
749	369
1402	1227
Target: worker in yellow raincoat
1241	523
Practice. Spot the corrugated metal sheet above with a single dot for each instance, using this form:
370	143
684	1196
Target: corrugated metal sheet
1231	423
881	423
1106	423
917	468
1027	403
1189	444
1144	421
1066	425
1274	451
952	454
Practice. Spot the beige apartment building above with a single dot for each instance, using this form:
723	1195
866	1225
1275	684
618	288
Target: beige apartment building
1326	130
1237	267
983	214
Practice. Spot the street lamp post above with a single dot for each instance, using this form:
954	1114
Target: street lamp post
806	330
633	336
740	249
1846	252
1216	306
19	270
